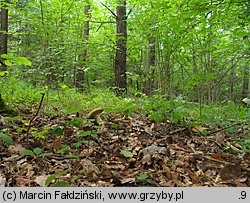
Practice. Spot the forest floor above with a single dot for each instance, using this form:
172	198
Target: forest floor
68	150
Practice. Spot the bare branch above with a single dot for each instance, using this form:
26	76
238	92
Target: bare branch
130	11
110	10
102	22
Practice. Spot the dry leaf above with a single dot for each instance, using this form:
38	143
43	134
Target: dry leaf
22	182
2	180
230	171
127	180
40	180
89	167
237	146
198	129
16	148
57	144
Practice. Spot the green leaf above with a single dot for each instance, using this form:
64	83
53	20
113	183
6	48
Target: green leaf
5	56
28	152
2	73
126	153
50	179
45	154
7	63
74	123
7	139
63	86
77	144
24	61
204	132
63	149
62	184
114	125
57	131
56	176
94	135
72	156
83	134
142	176
37	150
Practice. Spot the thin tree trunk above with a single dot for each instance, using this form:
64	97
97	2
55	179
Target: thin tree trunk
151	64
245	86
80	75
151	60
4	34
231	85
121	48
50	77
167	74
195	71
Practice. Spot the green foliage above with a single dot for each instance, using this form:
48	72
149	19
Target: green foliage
199	49
19	92
57	130
7	139
62	184
126	153
46	154
142	177
11	60
36	152
3	73
64	149
197	75
54	177
84	134
157	108
160	109
245	144
114	125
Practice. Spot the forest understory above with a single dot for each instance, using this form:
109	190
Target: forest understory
118	150
136	93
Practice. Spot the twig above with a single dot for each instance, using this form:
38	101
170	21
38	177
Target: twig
176	131
219	130
191	148
33	119
175	146
130	11
216	160
110	10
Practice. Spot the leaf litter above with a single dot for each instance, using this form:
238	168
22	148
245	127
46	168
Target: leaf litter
121	151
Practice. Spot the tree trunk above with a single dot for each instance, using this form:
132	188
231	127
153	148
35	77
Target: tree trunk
231	85
121	48
151	64
4	34
80	74
245	86
196	93
167	74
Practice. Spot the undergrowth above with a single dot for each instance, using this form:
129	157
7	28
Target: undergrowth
18	93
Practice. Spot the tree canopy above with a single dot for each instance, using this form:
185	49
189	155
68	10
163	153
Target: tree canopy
201	48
